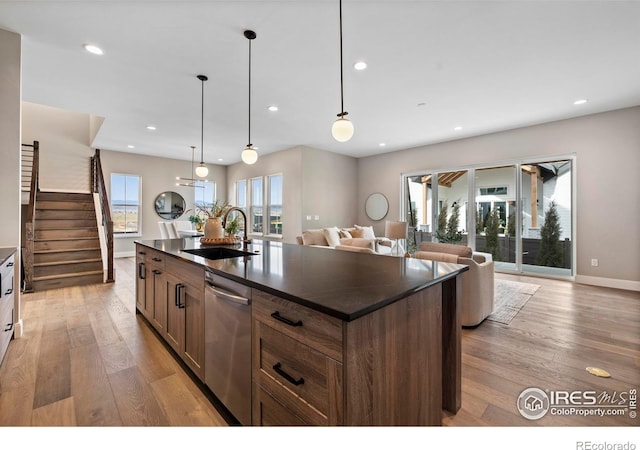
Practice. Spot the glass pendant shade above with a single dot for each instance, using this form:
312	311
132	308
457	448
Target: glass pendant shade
342	130
249	155
202	170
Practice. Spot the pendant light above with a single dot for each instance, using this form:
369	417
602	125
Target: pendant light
342	128
249	154
190	182
202	170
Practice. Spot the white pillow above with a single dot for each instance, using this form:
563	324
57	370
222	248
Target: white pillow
367	232
332	236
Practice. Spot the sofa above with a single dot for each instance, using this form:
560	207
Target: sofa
358	238
477	282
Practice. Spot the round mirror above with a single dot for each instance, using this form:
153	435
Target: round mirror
377	206
170	205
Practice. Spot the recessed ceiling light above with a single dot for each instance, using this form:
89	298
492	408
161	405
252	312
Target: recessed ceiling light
382	144
360	65
458	128
151	127
93	49
273	108
131	146
422	104
582	101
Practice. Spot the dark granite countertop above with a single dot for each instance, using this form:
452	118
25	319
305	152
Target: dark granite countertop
6	252
343	284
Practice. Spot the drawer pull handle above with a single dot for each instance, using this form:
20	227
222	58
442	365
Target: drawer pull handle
278	368
9	292
141	271
10	264
141	253
157	259
9	327
276	315
156	272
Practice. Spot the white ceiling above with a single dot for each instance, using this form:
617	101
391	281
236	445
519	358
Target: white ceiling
483	65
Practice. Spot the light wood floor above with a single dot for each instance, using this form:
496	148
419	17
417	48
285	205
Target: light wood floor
87	359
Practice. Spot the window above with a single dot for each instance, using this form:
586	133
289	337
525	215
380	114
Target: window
256	202
261	199
275	204
498	190
125	203
205	193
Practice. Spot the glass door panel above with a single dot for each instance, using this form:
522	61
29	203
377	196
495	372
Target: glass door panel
495	213
453	200
418	209
546	217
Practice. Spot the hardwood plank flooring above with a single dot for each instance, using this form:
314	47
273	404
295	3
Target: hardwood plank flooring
87	359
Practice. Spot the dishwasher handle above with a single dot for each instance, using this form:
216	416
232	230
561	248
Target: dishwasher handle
229	296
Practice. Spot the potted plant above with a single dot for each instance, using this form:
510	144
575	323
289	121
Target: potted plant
232	227
197	221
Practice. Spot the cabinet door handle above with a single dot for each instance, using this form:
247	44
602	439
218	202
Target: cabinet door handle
278	368
276	315
179	294
157	259
9	292
10	264
141	271
9	327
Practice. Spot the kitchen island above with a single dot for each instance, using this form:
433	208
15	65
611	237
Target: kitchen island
365	340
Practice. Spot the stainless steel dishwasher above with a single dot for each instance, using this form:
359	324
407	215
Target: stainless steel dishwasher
227	325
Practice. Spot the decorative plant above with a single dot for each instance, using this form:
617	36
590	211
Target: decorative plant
218	209
479	222
511	225
550	246
448	228
195	219
492	226
232	226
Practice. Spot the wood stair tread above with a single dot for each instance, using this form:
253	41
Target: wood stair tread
66	239
74	261
65	250
68	275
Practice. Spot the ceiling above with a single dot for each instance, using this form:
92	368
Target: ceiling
484	66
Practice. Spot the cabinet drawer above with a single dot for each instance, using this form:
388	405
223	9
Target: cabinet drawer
296	366
6	277
153	257
267	411
6	326
317	330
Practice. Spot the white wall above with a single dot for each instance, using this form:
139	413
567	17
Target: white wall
65	145
158	175
316	183
10	95
607	147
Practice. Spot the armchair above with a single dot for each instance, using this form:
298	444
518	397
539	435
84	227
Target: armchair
477	282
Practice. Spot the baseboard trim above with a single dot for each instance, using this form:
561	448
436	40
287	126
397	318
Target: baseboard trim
124	254
628	285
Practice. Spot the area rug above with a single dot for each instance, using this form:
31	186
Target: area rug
509	298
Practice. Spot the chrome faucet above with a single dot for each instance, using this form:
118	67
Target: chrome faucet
245	240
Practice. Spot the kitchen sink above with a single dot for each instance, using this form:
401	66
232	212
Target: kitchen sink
218	252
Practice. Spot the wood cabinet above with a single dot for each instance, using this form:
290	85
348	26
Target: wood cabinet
7	270
170	294
185	314
384	368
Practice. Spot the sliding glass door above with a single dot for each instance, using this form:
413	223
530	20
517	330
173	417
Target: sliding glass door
521	213
547	225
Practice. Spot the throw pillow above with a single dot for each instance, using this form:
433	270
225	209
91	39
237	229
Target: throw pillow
332	236
344	234
367	232
356	233
314	237
359	242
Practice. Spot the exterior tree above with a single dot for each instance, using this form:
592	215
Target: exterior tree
550	246
442	219
492	244
448	228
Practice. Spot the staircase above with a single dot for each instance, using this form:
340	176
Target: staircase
66	245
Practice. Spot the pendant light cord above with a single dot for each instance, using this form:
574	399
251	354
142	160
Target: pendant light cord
202	125
249	144
341	70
